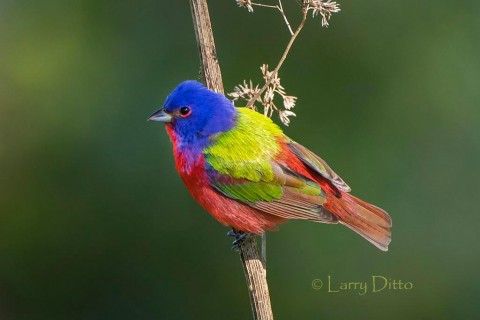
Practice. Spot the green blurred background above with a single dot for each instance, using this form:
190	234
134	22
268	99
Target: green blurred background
96	224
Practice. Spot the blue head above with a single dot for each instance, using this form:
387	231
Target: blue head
195	113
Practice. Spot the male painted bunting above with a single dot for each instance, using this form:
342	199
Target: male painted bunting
241	168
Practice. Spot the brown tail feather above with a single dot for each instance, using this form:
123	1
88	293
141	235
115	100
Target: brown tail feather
367	220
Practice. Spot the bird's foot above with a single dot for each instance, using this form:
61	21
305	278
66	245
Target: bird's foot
239	237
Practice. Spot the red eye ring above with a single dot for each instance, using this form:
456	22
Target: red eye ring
185	112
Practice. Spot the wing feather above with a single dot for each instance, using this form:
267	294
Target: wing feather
288	195
317	164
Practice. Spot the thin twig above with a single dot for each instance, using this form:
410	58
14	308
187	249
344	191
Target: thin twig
280	8
280	63
263	5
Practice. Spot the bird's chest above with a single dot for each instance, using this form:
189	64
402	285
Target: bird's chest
188	165
189	159
193	174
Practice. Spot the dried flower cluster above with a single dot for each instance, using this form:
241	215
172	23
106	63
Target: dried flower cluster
323	8
272	87
245	4
266	98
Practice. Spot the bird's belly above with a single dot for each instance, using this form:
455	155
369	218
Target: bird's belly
226	210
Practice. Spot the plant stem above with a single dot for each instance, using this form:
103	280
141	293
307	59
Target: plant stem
255	274
263	5
280	63
280	8
210	68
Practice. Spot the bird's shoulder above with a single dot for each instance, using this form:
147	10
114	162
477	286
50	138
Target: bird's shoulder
246	150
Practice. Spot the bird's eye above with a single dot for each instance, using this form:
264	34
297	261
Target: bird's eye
185	111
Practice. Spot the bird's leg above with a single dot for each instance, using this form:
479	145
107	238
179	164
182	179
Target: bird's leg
264	250
239	238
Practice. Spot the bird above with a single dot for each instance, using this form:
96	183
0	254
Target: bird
242	169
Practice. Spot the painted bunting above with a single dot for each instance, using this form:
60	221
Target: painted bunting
242	169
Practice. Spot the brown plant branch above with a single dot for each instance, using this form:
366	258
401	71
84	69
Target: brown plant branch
256	277
255	274
210	68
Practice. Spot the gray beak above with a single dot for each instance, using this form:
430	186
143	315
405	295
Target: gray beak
160	116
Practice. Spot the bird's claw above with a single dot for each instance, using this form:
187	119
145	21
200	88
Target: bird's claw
239	236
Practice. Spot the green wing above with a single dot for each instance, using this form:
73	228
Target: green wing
287	194
240	165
